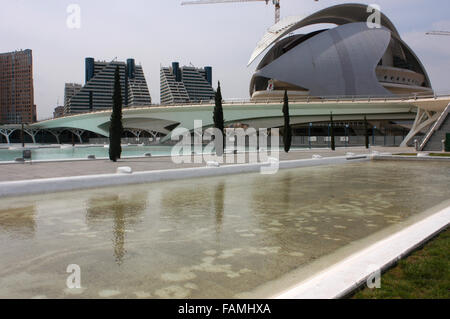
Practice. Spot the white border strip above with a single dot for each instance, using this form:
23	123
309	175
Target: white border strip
50	185
86	159
391	157
344	277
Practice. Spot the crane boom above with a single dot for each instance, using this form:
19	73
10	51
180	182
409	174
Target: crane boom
276	3
216	1
438	33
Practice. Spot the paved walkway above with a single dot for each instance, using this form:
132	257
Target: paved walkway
15	172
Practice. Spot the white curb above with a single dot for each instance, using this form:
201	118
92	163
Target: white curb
50	185
342	278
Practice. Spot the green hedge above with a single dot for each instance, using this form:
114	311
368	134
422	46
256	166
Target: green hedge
447	142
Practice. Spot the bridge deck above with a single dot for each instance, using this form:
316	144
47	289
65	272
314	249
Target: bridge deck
331	100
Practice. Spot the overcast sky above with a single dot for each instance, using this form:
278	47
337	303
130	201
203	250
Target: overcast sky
158	32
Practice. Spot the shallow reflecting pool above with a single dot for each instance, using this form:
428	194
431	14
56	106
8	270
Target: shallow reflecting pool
207	237
79	152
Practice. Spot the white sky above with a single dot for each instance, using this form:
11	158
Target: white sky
159	32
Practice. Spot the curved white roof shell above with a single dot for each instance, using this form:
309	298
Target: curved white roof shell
339	15
339	61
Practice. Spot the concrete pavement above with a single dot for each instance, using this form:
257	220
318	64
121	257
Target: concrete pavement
38	170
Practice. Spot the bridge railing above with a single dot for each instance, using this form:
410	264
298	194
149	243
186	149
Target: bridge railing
337	98
309	99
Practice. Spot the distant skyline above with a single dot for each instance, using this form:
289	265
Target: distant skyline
157	33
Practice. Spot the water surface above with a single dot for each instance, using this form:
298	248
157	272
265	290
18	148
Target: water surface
77	152
213	237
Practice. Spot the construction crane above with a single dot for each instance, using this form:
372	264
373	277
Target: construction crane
276	3
438	33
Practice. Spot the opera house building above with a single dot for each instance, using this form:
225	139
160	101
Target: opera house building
354	58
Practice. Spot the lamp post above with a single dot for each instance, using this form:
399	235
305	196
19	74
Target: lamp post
346	134
329	137
22	136
309	134
373	135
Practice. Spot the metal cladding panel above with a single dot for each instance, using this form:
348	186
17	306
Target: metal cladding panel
339	61
339	15
274	33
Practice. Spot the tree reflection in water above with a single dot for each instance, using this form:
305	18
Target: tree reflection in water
121	211
219	197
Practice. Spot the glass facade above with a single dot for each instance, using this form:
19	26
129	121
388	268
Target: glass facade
16	88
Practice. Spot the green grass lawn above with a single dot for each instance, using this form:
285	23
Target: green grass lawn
422	275
440	154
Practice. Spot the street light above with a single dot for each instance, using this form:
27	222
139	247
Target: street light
346	134
373	135
329	137
22	136
309	134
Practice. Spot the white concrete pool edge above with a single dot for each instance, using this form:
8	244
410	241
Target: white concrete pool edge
86	159
391	157
347	275
59	184
76	159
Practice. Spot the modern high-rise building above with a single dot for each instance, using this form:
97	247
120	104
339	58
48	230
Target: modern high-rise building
97	92
16	88
186	84
70	89
58	112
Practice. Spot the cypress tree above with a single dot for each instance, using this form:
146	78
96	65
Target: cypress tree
116	128
332	142
287	136
218	119
366	133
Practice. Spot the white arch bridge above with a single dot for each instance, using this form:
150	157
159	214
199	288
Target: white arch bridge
426	110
